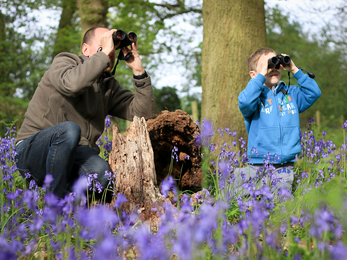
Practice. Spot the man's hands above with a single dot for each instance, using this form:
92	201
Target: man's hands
134	63
106	42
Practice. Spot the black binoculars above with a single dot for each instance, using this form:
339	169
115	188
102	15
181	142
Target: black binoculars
278	60
124	38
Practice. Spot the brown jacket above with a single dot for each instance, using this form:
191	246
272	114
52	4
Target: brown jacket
74	91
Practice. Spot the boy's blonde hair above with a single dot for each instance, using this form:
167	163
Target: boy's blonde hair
253	59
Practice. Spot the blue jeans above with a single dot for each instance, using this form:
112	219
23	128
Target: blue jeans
283	171
55	150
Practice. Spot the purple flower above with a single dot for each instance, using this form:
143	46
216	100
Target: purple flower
51	200
168	184
108	121
294	220
98	186
111	176
206	133
187	157
121	199
174	153
32	185
6	252
220	132
80	187
344	126
48	180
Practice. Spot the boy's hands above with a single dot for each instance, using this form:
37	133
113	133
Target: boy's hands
264	63
291	67
265	70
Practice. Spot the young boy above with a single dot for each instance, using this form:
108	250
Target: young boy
271	111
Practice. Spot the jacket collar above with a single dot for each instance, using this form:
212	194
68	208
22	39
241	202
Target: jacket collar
281	85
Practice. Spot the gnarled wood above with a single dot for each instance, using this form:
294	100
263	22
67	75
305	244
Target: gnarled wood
132	159
177	129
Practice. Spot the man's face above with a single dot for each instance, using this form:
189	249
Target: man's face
274	76
95	44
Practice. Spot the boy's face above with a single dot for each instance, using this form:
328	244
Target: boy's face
272	76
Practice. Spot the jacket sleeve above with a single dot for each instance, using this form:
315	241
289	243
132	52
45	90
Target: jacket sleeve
308	93
125	104
248	98
71	77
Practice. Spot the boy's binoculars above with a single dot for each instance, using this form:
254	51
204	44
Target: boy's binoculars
278	60
124	38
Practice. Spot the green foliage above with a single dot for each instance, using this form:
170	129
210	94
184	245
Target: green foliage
11	110
159	40
186	103
22	65
166	98
135	16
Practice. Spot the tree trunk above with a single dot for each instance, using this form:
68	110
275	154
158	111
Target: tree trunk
63	41
5	90
233	29
132	159
92	13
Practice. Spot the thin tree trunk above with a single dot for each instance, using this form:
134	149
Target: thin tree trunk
233	29
92	13
62	40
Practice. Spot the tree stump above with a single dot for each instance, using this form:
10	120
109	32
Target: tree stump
133	161
177	129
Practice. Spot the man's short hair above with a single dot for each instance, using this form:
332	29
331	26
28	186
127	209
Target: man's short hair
253	59
89	35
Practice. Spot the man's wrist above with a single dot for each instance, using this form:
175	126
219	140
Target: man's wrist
141	76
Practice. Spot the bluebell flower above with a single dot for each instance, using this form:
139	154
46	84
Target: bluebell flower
121	199
80	187
168	184
6	251
344	126
174	153
48	180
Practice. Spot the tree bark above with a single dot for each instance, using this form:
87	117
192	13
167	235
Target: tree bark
92	13
132	159
62	41
233	29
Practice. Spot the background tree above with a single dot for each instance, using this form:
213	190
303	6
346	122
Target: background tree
67	37
92	13
232	31
21	64
166	98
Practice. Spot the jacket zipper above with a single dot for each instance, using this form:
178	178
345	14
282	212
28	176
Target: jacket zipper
97	110
279	125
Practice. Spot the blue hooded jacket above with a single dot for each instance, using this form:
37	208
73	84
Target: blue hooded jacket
272	119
